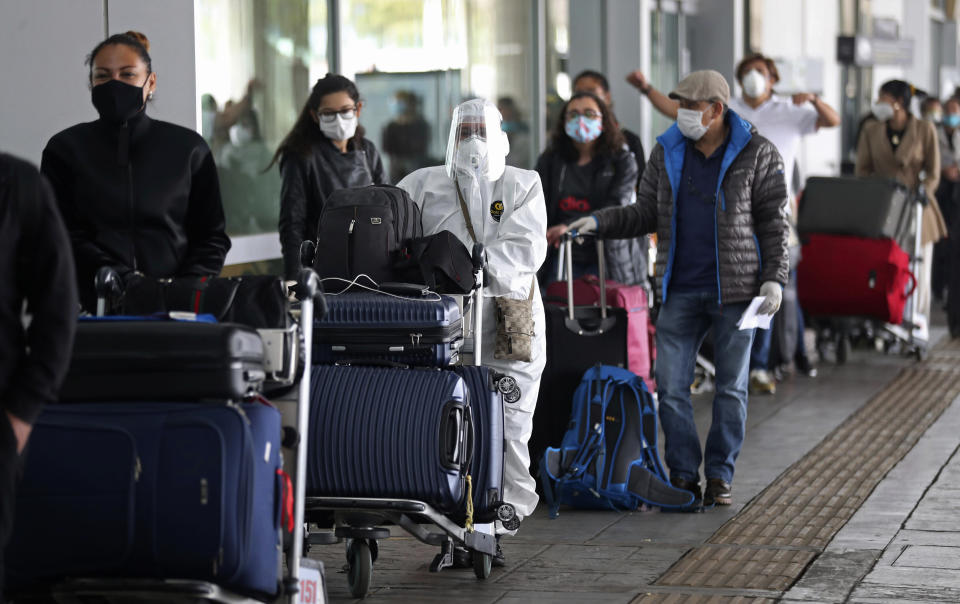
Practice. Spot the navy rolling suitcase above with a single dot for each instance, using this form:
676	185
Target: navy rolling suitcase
389	433
125	359
151	490
486	469
425	331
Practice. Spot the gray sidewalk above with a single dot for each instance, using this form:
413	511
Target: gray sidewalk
614	557
904	542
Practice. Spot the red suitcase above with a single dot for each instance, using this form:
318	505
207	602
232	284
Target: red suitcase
853	276
633	299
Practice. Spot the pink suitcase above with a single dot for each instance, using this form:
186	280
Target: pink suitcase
633	298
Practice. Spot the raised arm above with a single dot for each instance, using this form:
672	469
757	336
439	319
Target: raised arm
660	101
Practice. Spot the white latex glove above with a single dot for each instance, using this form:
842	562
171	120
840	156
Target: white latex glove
584	226
772	294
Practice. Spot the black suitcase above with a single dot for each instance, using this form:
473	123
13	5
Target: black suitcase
117	358
425	331
875	208
573	346
486	469
389	432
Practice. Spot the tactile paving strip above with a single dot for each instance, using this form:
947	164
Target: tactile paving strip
681	598
769	543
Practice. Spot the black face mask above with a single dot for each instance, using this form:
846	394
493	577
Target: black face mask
116	101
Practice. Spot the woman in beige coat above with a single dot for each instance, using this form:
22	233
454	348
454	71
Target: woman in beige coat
898	145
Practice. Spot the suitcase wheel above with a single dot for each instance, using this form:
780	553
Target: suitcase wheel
482	564
360	562
509	388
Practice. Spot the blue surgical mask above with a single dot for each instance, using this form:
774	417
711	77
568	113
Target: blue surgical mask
583	129
951	120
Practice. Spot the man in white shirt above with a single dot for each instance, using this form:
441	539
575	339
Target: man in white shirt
783	121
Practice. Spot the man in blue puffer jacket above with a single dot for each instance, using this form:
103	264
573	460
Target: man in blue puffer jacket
715	194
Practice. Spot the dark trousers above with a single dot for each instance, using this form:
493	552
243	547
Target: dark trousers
953	287
9	469
943	264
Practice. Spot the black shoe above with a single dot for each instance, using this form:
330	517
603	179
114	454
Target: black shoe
718	492
498	560
804	367
687	485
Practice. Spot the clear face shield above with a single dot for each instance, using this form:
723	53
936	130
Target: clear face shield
477	145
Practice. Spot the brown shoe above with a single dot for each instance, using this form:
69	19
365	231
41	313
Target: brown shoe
718	492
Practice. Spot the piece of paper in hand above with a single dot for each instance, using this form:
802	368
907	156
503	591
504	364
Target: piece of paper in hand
751	319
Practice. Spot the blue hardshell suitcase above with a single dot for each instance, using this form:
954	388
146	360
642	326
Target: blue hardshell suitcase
390	433
486	469
421	331
151	490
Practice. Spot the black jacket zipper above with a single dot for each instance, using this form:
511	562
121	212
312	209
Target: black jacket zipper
126	143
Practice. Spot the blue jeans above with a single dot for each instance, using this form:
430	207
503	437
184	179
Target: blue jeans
681	326
760	351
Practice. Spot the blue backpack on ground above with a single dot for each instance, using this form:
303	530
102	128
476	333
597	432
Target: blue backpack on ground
608	458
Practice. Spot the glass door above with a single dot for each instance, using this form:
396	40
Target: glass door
669	51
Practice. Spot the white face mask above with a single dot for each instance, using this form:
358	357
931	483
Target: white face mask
882	111
690	123
340	129
240	135
471	155
754	84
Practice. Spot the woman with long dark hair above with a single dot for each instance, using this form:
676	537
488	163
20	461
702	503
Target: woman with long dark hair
325	151
585	168
136	194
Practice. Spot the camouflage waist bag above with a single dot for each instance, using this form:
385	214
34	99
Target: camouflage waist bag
514	328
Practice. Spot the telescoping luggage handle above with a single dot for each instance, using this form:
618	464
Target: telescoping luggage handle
107	285
309	292
571	322
479	262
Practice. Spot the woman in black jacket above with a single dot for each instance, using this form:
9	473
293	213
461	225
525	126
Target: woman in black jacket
325	151
587	168
136	194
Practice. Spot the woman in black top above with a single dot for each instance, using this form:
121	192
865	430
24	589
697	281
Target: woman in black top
136	194
325	151
587	168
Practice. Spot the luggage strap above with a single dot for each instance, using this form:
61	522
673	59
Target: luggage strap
465	211
469	522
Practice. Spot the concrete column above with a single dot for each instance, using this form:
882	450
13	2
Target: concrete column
715	36
169	26
42	47
624	41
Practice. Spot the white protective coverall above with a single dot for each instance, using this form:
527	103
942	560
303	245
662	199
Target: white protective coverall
516	246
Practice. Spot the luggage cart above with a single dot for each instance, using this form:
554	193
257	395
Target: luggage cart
362	522
128	590
843	332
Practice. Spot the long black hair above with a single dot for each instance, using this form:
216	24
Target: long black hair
305	130
610	141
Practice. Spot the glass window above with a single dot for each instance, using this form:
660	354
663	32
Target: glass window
415	60
256	62
557	59
664	60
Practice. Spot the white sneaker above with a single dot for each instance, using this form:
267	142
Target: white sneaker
761	382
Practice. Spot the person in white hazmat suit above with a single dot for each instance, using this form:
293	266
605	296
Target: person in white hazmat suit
508	216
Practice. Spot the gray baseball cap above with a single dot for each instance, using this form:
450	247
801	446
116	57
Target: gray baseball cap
704	85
